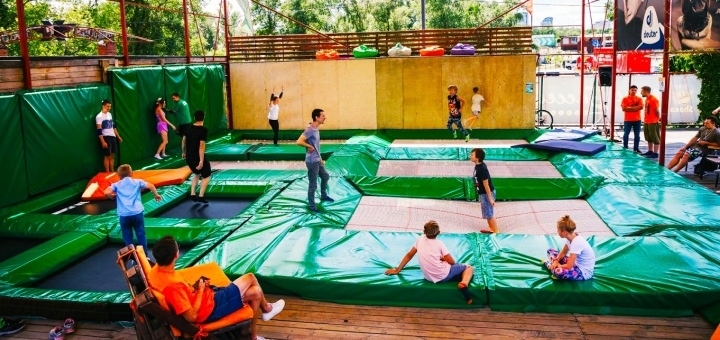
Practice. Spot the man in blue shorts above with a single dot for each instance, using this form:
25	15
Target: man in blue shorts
485	189
201	303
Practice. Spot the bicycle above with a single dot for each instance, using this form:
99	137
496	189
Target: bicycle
543	119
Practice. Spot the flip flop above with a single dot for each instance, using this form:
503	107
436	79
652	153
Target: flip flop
486	231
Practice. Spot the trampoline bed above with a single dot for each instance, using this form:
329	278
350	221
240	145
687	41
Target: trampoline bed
433	168
217	208
516	217
96	272
83	208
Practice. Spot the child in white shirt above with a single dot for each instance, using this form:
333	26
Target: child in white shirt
576	261
436	263
476	108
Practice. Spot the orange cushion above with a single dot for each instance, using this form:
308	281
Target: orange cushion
716	335
95	189
239	315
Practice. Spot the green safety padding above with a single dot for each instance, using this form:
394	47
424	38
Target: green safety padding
171	195
46	201
445	134
246	248
126	111
649	276
173	79
60	138
46	258
224	137
216	120
99	306
560	158
227	152
152	163
646	209
14	173
185	230
462	154
197	80
623	170
355	160
150	88
348	267
287	152
371	139
208	243
334	214
257	175
451	188
513	189
293	135
35	225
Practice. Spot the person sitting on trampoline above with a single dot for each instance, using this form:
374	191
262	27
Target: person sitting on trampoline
436	263
455	104
202	304
576	261
707	136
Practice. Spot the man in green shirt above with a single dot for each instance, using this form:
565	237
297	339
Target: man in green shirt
182	110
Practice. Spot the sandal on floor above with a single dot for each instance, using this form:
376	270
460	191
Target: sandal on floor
487	231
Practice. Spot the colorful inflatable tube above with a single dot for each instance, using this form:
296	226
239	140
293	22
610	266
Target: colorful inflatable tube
432	51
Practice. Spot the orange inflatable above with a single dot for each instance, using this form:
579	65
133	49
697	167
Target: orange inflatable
432	51
326	54
98	184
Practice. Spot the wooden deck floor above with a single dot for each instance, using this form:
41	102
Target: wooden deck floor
303	319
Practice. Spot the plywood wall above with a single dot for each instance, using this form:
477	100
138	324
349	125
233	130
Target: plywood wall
385	93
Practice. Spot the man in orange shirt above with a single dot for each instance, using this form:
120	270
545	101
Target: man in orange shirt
632	105
202	304
652	123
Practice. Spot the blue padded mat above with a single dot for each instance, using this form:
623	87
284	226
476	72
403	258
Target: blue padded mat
566	134
579	148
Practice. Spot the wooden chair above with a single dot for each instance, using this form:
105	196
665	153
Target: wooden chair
154	319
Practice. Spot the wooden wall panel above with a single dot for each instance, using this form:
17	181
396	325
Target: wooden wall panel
424	100
389	88
319	83
357	100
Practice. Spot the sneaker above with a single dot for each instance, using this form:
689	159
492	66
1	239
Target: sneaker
455	134
647	153
193	198
202	200
277	308
164	156
10	326
637	151
327	199
69	326
467	138
158	156
653	155
56	334
314	209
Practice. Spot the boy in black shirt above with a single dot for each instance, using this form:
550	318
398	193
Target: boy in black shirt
485	189
193	151
455	104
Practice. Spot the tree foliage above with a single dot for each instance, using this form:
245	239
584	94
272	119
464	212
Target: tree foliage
706	68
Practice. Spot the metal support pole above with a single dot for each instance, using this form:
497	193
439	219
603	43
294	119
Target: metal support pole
422	13
123	30
582	63
186	30
666	89
24	53
228	88
614	75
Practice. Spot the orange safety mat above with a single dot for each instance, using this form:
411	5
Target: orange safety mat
101	181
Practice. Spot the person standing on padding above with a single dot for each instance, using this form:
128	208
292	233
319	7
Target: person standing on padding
193	151
182	111
274	113
310	140
632	105
108	134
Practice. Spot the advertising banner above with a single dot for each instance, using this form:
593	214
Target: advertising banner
640	25
692	28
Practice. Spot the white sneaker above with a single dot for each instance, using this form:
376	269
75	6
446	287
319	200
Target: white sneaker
260	338
277	308
158	156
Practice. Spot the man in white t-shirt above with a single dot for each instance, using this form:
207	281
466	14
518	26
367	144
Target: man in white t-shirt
108	134
436	263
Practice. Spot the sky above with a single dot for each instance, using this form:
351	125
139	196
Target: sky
567	12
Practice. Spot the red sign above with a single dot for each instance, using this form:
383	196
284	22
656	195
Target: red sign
627	62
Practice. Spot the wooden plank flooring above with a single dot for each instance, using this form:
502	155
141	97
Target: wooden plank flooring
304	319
